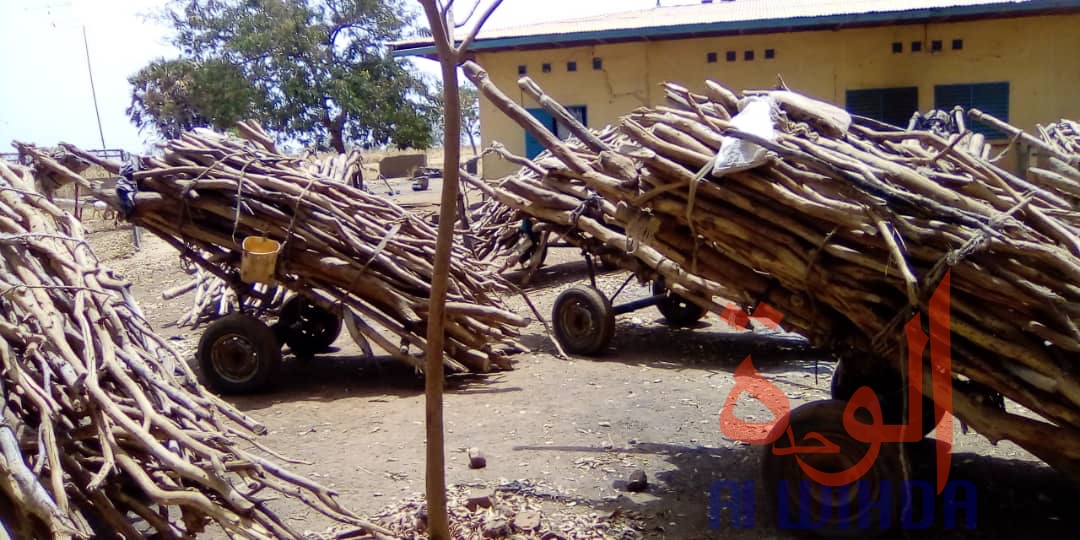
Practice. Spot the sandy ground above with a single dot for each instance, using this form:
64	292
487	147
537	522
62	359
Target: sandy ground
581	426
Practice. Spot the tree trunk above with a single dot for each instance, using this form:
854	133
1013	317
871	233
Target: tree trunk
336	128
337	140
441	20
472	142
438	520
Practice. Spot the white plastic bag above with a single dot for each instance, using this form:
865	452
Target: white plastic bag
737	155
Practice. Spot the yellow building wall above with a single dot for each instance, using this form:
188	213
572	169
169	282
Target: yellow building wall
1038	56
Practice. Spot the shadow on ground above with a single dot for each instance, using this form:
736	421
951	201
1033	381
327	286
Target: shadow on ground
328	378
1015	499
558	275
706	345
335	376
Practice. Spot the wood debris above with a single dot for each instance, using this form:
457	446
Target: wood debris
523	509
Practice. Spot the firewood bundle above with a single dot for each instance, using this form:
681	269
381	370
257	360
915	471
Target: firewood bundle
946	124
213	298
494	228
47	182
847	229
1063	135
104	431
347	168
1058	150
1062	170
350	252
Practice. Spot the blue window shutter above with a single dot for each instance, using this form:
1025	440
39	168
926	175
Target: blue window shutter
990	98
890	105
532	145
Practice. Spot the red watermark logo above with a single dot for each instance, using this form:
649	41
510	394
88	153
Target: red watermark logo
748	380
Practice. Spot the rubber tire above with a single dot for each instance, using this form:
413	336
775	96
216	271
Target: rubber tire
583	320
826	418
890	390
316	330
678	312
252	334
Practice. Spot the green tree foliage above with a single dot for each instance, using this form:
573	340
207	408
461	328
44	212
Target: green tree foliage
317	71
470	112
173	96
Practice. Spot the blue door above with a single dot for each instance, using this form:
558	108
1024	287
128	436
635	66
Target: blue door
532	145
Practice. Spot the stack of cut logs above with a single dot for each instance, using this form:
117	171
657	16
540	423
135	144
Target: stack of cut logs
212	298
347	168
1060	172
494	228
1064	136
104	431
346	250
1058	150
847	230
946	124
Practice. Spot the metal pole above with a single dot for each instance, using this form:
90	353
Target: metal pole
136	237
101	132
93	91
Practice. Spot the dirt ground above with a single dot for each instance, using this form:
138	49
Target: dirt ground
577	427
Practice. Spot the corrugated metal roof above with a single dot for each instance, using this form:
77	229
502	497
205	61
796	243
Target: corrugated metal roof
738	10
738	15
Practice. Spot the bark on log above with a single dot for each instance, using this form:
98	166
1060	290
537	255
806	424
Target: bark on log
347	250
116	424
846	231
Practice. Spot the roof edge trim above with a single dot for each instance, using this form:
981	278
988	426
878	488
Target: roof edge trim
1034	7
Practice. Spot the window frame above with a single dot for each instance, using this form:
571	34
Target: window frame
910	94
985	96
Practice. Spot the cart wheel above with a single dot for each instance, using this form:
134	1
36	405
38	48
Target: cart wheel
238	353
677	311
584	320
843	504
307	328
890	389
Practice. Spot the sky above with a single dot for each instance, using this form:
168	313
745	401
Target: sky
45	90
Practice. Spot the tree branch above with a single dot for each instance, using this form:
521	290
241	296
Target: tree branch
459	53
469	17
440	31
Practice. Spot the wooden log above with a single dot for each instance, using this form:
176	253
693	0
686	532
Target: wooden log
1053	180
846	231
350	243
1023	136
560	113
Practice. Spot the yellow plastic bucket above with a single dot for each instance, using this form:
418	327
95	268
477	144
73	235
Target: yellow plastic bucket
259	259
